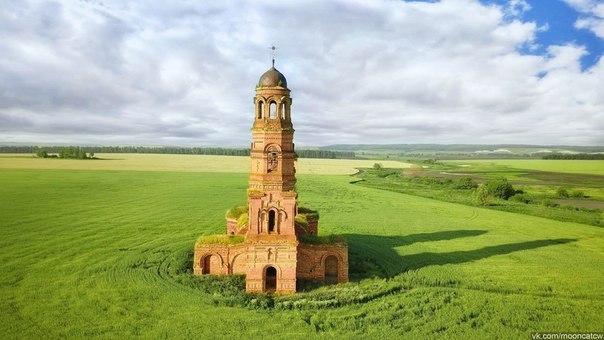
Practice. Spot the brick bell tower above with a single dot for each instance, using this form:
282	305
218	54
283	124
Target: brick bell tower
277	246
271	194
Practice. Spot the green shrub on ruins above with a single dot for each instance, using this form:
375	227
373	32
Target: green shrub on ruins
308	212
243	220
301	220
236	212
220	239
323	239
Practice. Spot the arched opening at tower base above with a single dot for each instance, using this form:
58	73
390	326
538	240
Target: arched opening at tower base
331	269
270	279
206	264
271	221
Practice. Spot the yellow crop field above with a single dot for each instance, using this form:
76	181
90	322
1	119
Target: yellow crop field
184	163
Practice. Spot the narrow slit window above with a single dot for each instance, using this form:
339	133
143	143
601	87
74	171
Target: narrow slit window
273	161
271	221
260	109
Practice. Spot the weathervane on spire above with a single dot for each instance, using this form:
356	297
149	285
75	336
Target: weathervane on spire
273	48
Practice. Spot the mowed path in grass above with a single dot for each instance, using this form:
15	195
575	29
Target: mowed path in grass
89	254
589	167
184	163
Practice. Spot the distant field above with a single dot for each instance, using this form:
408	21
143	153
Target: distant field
184	163
595	167
95	253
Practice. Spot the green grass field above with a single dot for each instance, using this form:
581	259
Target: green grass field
100	253
539	177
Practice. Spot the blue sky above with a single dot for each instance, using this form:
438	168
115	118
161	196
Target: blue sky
361	71
560	19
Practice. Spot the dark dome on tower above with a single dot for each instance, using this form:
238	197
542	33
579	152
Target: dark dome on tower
272	78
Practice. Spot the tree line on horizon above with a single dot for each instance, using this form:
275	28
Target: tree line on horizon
410	148
302	153
576	156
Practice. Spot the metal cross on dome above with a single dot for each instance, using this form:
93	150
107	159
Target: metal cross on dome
273	49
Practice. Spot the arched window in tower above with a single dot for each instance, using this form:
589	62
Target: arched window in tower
273	110
283	111
271	221
272	158
260	109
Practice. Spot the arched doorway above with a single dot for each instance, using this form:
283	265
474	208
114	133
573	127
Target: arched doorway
331	269
271	221
206	265
270	279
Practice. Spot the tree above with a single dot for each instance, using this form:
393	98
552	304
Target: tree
500	188
562	192
73	153
68	152
465	183
377	166
482	196
41	153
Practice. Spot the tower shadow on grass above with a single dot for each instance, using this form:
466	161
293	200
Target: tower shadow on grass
375	256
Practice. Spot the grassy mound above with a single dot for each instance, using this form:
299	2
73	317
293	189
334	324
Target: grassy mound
322	239
236	212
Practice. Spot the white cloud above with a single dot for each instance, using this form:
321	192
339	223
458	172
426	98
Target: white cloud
517	7
592	23
593	15
360	72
